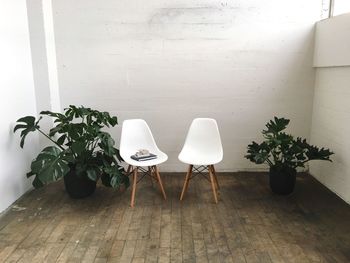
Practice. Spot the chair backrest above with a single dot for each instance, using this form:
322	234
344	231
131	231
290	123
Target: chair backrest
136	135
204	136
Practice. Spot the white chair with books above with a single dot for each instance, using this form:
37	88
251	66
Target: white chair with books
202	149
139	150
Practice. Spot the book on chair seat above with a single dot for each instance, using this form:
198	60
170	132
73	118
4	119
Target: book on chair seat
147	157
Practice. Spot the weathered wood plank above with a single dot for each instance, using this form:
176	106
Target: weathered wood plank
249	224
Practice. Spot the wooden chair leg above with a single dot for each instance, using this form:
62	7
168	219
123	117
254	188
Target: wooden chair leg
159	181
150	171
135	171
128	170
212	180
187	180
215	176
190	168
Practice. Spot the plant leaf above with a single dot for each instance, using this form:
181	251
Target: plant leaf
27	125
314	153
61	139
30	174
37	183
91	173
276	125
114	177
107	143
78	147
50	165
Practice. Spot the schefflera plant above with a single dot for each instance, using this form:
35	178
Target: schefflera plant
79	144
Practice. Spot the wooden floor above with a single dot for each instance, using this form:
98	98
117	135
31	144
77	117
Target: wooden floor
249	224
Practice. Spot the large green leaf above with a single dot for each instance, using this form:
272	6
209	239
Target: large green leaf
61	139
27	124
276	125
113	176
37	183
50	165
107	143
314	153
78	147
92	174
258	153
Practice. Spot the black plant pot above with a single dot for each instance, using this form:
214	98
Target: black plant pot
282	179
78	186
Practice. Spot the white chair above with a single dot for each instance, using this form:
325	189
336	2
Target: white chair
137	135
202	149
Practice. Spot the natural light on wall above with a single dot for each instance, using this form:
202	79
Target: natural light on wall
334	7
341	7
325	9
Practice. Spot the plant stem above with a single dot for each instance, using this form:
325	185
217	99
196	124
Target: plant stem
269	162
51	139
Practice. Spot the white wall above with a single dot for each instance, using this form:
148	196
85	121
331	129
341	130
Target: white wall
17	99
39	62
240	62
332	42
42	45
331	113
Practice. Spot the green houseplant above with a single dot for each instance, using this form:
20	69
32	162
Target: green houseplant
81	152
284	154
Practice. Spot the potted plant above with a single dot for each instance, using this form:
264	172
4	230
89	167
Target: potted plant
284	155
82	152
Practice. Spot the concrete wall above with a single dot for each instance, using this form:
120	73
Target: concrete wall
17	100
43	50
240	62
39	60
331	113
168	62
332	42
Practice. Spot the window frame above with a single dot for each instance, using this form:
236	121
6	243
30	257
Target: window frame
331	8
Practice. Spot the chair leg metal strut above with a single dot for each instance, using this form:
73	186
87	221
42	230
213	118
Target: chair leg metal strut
199	170
151	171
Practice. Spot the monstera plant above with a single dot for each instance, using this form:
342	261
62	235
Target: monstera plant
284	154
81	151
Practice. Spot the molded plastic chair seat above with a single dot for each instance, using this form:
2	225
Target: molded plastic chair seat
203	143
196	157
136	135
202	148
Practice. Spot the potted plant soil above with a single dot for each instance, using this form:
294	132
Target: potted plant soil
284	154
82	152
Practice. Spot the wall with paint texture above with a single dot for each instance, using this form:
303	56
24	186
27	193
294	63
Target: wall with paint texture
331	108
240	62
17	100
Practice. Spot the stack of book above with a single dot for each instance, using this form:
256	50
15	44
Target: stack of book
143	155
